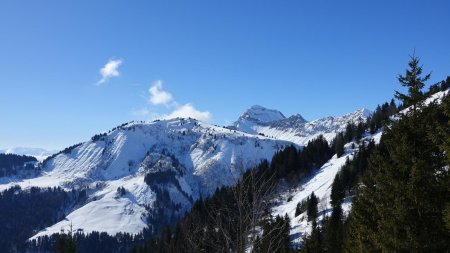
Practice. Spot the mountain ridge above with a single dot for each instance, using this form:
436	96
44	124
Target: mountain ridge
188	159
296	129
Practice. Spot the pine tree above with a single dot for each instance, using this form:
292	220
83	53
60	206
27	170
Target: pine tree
400	206
66	243
334	231
414	82
313	242
337	192
339	144
312	207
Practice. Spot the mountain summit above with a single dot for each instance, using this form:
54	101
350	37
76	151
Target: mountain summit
260	114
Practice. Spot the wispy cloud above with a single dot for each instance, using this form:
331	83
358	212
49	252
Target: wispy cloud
111	69
189	111
158	96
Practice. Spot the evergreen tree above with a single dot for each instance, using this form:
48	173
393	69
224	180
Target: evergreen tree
312	207
334	231
414	82
337	192
66	243
313	242
400	206
339	144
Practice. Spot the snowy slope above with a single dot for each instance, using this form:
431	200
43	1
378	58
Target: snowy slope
435	98
320	183
201	157
295	128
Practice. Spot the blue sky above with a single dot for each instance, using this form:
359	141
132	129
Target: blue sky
213	59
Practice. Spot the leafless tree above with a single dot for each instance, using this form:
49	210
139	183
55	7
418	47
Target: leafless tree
238	227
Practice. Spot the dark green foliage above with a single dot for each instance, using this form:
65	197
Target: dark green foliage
381	116
275	237
312	209
351	173
414	82
22	213
338	144
121	191
301	206
408	173
11	164
313	243
437	87
97	137
66	243
334	231
402	201
161	177
93	242
294	165
337	192
309	204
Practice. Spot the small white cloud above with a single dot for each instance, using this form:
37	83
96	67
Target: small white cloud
158	96
111	69
189	111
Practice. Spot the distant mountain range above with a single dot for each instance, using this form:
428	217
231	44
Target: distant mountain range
272	123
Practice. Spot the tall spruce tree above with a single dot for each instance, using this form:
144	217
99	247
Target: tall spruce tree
338	144
312	207
400	206
337	192
414	81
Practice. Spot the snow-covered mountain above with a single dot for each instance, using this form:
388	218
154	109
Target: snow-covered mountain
259	115
272	123
181	157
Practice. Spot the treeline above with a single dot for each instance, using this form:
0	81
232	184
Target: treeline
294	164
78	241
66	151
11	164
24	212
401	187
